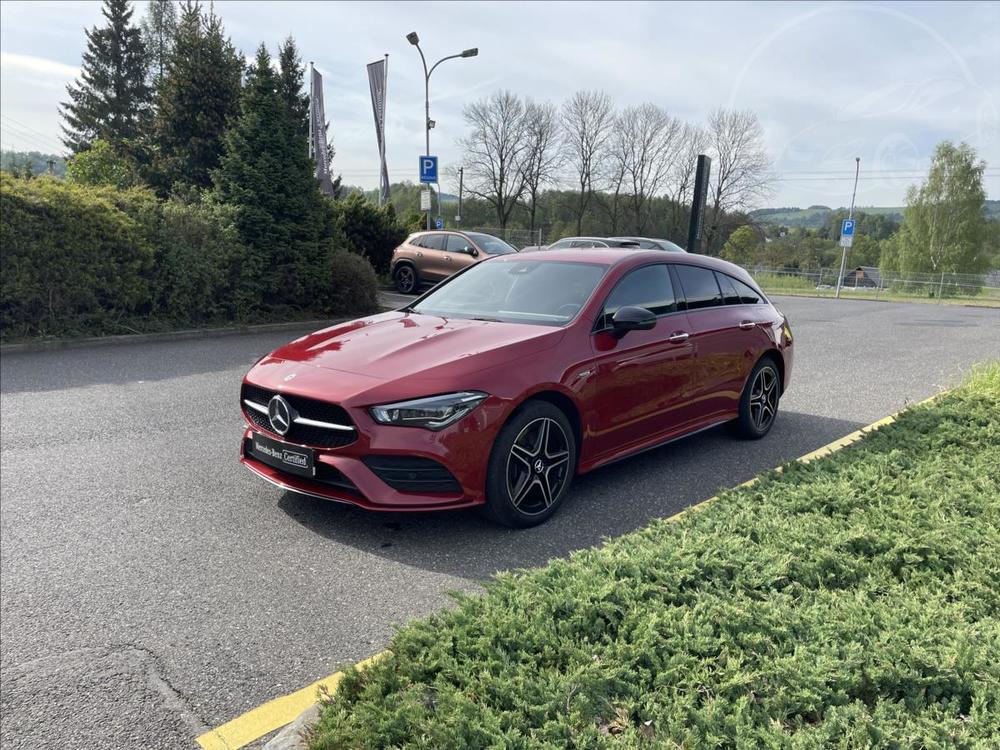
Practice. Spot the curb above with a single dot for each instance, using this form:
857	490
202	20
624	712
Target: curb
260	721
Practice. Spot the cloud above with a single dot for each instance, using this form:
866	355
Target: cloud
39	66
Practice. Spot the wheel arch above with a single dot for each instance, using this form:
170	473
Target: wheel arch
779	362
566	405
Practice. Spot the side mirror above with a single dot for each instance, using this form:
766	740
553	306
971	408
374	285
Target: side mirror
471	251
631	319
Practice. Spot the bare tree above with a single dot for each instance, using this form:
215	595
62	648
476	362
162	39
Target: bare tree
741	166
542	153
610	175
680	181
588	120
495	152
646	143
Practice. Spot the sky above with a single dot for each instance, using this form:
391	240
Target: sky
830	81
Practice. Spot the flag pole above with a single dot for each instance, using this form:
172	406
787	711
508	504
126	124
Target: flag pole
383	178
312	105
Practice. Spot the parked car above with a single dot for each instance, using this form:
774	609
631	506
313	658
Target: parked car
647	243
582	242
501	384
430	257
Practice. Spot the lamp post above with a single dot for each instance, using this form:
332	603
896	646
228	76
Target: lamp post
413	39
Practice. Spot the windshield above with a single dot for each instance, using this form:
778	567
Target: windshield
526	291
490	244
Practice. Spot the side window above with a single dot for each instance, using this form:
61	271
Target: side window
699	286
433	241
560	245
729	292
747	295
647	287
457	243
582	243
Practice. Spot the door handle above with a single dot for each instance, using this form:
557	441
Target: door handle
420	255
678	336
747	325
448	258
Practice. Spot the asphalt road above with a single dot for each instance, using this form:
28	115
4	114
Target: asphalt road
151	588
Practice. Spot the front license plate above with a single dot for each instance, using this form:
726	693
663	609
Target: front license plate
290	458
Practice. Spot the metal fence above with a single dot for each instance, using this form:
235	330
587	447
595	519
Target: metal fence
519	238
872	283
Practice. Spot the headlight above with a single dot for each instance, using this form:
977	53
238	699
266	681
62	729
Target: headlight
432	413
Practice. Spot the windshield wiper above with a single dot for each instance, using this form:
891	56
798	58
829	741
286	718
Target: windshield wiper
488	320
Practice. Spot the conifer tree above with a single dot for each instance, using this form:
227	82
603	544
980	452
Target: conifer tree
266	177
111	99
196	100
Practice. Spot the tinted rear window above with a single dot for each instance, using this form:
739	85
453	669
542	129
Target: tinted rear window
699	286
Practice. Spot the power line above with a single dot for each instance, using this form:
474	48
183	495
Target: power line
19	127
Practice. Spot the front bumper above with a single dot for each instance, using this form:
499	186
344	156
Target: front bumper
345	474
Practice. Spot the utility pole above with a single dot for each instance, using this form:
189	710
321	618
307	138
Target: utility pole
461	175
850	215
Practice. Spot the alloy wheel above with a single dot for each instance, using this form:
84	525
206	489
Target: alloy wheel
764	398
537	466
405	279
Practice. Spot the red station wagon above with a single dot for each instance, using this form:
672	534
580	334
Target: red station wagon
500	385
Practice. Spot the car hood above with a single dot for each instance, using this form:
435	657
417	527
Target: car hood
396	346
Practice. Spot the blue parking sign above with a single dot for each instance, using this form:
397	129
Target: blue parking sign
847	233
439	223
428	169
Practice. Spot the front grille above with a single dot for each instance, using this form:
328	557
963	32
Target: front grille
412	474
306	407
325	474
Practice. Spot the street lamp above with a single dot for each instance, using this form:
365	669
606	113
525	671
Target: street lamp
413	39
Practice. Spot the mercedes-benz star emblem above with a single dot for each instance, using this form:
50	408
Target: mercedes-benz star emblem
539	466
280	414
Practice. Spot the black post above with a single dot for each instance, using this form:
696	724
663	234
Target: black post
698	203
461	175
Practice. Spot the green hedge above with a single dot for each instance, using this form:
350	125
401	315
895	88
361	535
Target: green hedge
83	260
851	602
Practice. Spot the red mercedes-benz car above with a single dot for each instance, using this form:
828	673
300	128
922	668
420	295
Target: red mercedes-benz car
500	385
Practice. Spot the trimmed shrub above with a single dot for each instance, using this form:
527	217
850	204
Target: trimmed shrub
72	261
370	231
195	248
354	285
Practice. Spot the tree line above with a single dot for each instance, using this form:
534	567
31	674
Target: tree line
621	163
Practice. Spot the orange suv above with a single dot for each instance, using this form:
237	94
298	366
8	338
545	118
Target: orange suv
430	257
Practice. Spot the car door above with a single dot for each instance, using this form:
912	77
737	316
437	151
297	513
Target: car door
432	262
459	251
717	342
747	318
644	378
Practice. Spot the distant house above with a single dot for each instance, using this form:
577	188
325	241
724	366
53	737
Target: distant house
863	276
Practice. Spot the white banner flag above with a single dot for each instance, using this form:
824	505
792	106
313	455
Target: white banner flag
378	73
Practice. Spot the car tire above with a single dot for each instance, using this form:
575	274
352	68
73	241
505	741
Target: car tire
406	279
531	466
759	400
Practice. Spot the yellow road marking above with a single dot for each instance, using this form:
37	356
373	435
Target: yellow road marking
276	713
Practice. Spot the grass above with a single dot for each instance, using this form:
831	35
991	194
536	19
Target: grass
798	287
850	602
